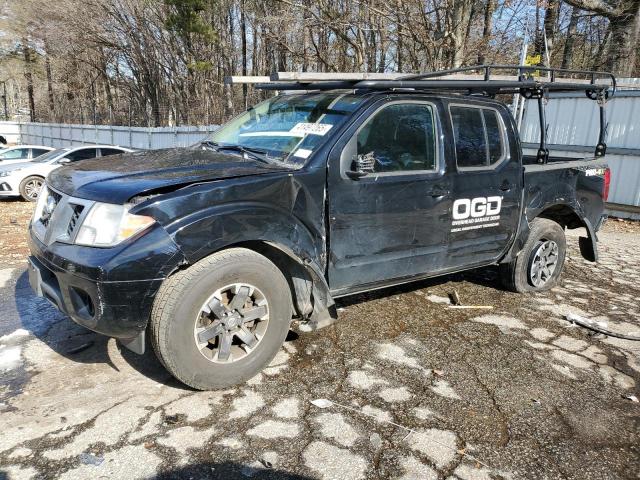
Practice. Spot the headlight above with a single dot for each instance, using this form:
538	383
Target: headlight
7	173
107	225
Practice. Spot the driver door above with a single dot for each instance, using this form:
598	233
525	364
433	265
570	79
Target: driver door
392	223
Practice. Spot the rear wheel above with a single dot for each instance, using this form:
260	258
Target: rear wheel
538	266
30	188
221	321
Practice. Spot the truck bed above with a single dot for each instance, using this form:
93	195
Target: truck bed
531	159
555	163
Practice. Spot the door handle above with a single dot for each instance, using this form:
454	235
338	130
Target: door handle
506	186
438	192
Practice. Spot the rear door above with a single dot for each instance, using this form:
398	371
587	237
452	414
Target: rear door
390	224
487	183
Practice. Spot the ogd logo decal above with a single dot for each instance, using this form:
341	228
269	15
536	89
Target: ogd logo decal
474	213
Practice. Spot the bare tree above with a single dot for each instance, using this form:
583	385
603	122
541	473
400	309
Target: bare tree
624	28
162	62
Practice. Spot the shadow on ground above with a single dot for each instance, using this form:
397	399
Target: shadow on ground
226	471
80	344
486	277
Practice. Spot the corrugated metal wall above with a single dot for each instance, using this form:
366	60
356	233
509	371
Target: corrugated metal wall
63	135
10	131
574	123
574	120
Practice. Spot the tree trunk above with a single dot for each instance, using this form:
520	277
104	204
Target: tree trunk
29	77
550	22
460	17
47	68
486	31
623	44
107	86
567	55
243	29
399	44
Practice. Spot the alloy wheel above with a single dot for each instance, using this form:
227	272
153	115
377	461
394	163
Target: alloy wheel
543	263
32	188
231	323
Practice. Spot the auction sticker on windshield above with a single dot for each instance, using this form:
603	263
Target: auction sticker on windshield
302	153
303	129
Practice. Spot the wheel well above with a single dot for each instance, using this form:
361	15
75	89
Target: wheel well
567	218
31	176
563	215
300	284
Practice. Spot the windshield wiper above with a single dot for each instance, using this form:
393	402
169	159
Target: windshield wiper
256	153
209	143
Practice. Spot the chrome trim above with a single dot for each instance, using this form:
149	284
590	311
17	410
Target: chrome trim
56	228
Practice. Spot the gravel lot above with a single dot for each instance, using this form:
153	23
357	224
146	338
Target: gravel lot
515	392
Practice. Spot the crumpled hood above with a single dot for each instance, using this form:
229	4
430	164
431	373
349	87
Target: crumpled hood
117	178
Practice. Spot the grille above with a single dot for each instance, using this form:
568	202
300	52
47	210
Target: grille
73	221
61	217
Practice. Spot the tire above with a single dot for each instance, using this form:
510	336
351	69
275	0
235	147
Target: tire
522	273
30	187
178	310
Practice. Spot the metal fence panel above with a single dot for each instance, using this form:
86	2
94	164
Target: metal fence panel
10	131
64	135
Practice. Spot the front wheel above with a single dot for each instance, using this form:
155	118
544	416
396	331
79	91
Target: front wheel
538	266
222	320
30	188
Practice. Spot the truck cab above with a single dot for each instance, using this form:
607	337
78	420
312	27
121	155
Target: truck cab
209	253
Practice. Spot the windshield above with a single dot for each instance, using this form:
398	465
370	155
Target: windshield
288	127
50	155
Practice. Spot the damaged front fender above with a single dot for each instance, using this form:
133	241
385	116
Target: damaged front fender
280	216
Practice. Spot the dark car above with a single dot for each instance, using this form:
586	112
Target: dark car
310	196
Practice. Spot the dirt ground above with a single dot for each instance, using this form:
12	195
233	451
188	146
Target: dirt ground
418	390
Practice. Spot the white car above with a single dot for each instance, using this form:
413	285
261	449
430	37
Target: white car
26	179
22	153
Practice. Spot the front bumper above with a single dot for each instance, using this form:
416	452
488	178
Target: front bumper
109	291
7	188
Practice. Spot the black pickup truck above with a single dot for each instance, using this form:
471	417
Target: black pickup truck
333	188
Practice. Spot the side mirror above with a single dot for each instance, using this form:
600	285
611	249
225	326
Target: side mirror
62	161
363	165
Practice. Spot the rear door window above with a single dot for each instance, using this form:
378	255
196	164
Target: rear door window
494	135
110	151
478	135
82	154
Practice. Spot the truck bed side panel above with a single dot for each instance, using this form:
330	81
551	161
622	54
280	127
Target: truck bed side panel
574	184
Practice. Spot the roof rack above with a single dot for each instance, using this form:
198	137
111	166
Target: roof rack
523	77
480	79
